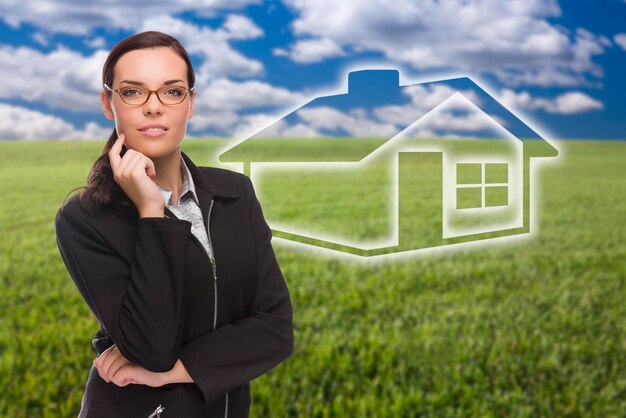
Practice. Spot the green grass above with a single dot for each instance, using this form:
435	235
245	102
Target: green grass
533	328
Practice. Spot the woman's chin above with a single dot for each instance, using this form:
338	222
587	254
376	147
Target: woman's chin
152	148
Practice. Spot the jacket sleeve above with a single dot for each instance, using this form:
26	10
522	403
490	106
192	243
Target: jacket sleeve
137	301
235	354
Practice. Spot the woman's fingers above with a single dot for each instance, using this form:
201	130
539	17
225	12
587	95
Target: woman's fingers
100	364
133	164
116	365
133	173
109	361
113	367
130	373
112	363
102	376
131	161
127	164
124	376
100	359
150	170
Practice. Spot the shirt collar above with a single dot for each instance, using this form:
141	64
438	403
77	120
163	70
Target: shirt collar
188	186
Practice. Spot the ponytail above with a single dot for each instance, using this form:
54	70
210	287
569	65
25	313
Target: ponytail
102	190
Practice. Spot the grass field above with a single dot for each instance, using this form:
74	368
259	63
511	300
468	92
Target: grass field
535	328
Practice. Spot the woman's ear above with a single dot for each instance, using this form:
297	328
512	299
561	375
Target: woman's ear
106	106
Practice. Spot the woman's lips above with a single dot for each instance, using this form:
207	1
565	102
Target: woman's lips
153	131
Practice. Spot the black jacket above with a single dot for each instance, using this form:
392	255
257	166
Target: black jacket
152	288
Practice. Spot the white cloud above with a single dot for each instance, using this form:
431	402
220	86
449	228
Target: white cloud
251	124
447	121
60	79
282	129
241	27
620	39
41	39
512	40
311	50
280	52
356	122
315	122
456	116
574	102
565	104
382	121
80	17
225	94
66	79
96	43
221	121
586	46
220	58
20	123
422	100
219	101
325	117
92	131
299	130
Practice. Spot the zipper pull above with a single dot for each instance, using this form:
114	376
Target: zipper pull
157	412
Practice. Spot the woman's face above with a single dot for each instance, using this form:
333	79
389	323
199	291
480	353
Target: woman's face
154	129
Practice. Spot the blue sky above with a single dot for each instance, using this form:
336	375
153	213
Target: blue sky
558	65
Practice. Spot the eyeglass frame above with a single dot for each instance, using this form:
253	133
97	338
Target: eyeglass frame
156	92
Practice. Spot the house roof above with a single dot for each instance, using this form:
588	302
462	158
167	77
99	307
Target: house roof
350	126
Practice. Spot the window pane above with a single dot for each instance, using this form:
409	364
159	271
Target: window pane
496	173
496	196
468	173
468	197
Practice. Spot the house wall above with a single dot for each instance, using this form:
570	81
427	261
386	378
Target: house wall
403	194
459	221
454	221
345	203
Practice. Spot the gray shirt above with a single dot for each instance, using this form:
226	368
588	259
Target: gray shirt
188	207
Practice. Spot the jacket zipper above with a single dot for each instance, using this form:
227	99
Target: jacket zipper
214	266
157	412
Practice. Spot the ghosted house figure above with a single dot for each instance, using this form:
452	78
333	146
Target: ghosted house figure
459	162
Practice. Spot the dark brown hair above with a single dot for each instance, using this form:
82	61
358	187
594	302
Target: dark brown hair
101	189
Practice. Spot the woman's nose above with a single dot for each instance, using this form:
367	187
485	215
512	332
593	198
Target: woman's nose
153	105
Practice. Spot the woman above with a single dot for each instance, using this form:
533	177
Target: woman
174	260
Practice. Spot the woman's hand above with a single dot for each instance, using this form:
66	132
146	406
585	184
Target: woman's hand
114	367
132	172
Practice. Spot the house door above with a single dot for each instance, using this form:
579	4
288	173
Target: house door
420	199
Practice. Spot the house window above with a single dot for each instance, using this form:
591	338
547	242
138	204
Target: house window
482	185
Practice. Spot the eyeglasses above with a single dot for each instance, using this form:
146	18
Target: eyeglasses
168	95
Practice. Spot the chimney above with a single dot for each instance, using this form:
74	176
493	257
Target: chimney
373	82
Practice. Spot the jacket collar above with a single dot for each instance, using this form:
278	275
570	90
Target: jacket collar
208	182
207	185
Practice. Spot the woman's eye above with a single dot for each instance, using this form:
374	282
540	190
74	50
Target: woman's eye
174	91
131	92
